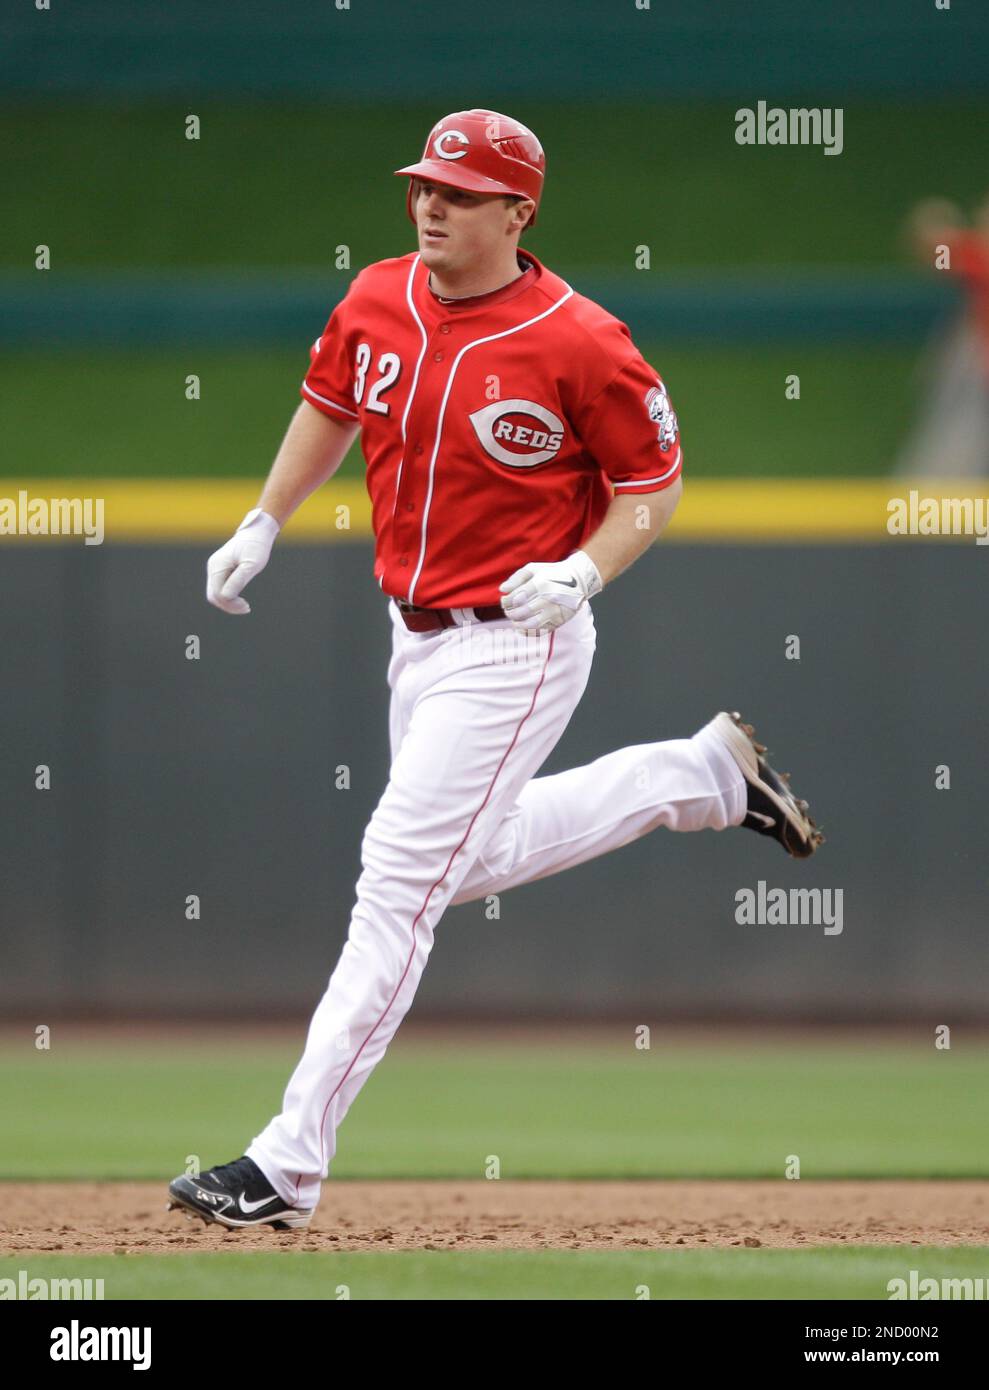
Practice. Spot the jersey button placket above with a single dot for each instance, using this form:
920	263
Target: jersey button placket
409	510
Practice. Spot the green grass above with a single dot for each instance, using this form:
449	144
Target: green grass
277	184
850	1272
123	415
588	1111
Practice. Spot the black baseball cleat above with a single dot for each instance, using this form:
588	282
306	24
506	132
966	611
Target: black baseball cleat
773	809
235	1194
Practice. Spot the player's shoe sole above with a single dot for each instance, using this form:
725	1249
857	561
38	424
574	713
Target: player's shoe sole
773	810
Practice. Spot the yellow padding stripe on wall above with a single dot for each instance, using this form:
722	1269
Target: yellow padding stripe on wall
747	509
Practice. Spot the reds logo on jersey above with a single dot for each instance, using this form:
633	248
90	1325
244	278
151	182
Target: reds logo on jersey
661	413
519	433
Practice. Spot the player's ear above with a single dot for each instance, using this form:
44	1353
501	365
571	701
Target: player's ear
522	210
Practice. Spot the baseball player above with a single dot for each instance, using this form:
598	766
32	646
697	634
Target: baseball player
520	455
951	435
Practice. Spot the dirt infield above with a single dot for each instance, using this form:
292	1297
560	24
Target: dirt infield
130	1218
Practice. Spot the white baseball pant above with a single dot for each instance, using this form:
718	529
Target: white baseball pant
475	711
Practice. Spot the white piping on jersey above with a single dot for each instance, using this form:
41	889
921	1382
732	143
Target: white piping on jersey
415	374
335	404
644	482
492	337
425	342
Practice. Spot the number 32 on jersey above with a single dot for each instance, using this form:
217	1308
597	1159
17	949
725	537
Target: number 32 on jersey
389	367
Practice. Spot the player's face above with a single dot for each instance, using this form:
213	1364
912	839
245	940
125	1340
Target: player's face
460	230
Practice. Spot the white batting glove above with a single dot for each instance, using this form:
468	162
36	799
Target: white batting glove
540	597
235	564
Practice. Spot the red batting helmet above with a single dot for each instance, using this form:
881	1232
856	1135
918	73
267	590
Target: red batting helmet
484	152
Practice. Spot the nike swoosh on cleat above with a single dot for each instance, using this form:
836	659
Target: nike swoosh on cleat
247	1206
766	820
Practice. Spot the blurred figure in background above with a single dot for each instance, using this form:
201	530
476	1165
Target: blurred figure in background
950	438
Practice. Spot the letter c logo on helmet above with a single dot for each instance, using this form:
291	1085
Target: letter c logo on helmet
440	142
483	152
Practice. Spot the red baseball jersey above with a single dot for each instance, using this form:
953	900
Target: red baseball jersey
495	429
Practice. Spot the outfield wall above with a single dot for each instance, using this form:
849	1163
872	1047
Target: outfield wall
388	48
216	777
194	310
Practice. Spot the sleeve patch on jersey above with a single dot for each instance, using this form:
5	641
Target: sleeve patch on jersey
662	414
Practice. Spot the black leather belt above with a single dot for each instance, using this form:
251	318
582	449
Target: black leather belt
433	619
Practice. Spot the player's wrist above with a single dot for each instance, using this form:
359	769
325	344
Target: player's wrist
588	574
262	523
